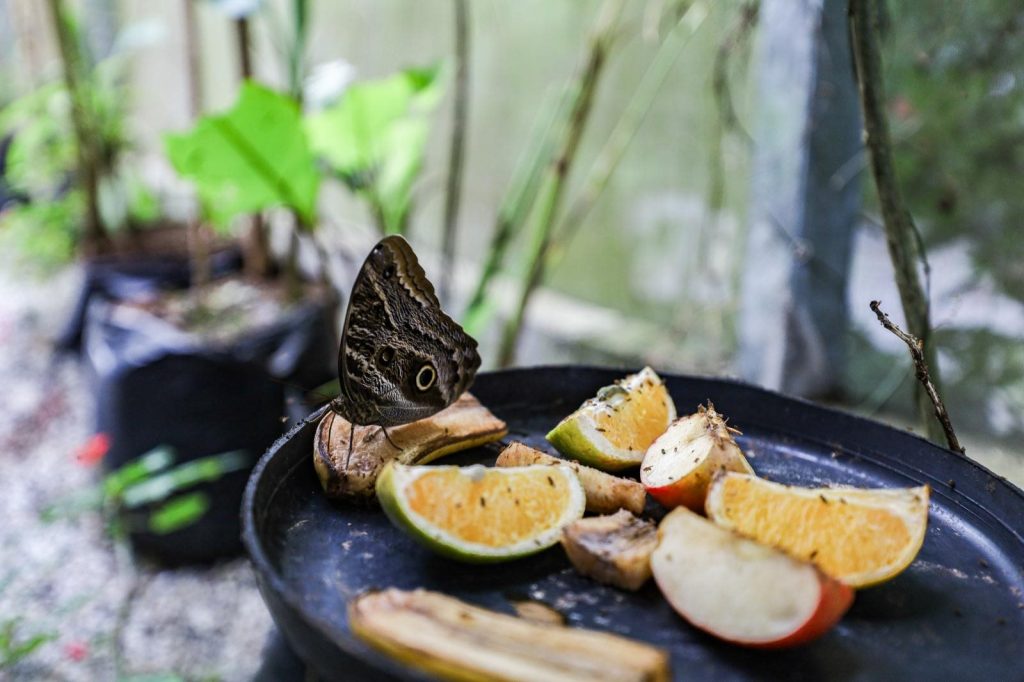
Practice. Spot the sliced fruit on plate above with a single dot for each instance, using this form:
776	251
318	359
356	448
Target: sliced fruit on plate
742	591
680	464
613	430
481	514
614	549
605	493
860	536
350	474
457	641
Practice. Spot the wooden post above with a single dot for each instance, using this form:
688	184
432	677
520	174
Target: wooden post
805	200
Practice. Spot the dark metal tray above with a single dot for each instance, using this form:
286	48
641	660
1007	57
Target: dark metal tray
957	613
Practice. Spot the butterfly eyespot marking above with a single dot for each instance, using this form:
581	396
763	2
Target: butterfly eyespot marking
425	378
389	272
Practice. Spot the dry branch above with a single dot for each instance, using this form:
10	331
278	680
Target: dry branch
916	347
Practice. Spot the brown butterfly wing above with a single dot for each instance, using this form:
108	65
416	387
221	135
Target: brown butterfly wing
401	357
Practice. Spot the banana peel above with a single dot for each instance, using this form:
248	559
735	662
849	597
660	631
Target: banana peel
457	641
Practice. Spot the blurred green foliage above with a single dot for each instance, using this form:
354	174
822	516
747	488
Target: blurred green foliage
374	139
42	159
956	98
151	492
253	157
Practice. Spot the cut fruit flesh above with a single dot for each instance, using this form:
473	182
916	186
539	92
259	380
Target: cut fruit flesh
456	641
680	465
859	536
482	514
742	591
613	430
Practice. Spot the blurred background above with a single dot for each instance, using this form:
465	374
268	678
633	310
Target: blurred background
188	187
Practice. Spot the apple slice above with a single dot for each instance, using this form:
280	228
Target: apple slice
679	466
739	590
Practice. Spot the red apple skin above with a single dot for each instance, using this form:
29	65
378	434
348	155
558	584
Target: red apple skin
689	492
836	599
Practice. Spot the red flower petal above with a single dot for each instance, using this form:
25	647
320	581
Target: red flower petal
76	651
94	449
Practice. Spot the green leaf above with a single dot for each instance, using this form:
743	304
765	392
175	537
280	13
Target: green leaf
184	475
375	137
12	651
155	460
178	513
252	157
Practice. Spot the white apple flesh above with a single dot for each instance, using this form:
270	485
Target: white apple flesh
680	465
742	591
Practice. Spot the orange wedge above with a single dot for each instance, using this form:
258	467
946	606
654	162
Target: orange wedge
859	536
481	514
613	430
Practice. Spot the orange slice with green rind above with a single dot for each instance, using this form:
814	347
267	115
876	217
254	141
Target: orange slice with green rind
482	514
613	430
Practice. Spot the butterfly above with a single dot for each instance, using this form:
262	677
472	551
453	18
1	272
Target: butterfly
401	358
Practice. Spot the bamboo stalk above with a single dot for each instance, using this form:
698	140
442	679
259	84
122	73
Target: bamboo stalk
456	152
628	125
512	214
95	236
900	230
558	173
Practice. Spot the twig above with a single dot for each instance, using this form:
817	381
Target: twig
899	225
916	347
456	152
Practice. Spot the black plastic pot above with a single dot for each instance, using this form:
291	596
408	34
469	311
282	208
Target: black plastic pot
156	386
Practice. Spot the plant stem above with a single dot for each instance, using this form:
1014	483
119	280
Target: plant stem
900	229
198	244
558	173
455	155
86	137
512	213
296	58
255	252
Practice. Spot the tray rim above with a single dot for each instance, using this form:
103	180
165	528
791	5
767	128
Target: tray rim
353	647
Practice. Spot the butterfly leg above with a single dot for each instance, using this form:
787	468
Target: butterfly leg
388	437
351	439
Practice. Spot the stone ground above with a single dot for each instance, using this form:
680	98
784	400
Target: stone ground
64	579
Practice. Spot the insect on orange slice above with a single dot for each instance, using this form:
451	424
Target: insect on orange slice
859	536
613	430
482	514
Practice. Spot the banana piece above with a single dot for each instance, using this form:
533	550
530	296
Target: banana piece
615	550
463	424
605	493
456	641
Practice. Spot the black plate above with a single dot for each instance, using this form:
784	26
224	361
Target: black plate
957	613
